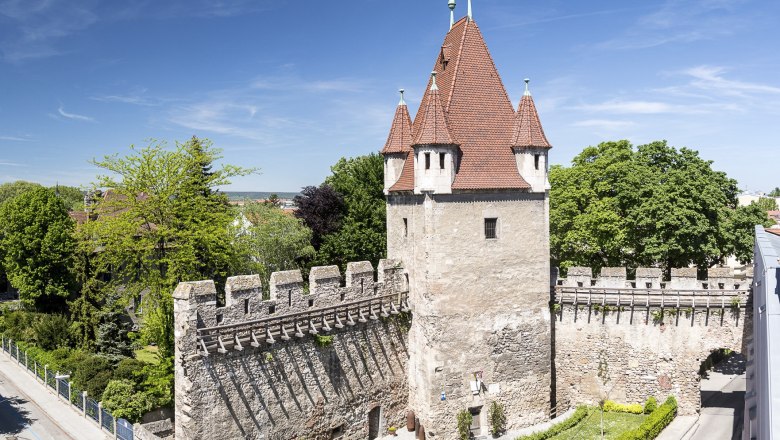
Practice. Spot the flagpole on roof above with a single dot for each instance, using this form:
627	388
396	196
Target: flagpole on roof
452	13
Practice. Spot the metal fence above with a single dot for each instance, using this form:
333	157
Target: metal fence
124	430
118	427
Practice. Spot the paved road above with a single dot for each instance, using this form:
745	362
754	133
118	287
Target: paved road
723	402
28	411
22	419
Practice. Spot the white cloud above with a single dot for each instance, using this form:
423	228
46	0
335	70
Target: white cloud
14	139
605	124
642	107
74	116
681	21
711	78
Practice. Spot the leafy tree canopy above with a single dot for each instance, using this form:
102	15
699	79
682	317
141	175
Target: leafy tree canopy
362	234
653	205
321	209
10	190
273	240
766	204
775	192
161	221
38	246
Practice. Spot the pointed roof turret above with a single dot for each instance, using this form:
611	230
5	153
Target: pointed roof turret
400	138
528	131
433	128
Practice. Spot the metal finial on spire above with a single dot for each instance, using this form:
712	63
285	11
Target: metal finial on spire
471	17
401	91
433	81
527	92
452	13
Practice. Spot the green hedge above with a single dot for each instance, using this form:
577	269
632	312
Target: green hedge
654	423
556	429
631	408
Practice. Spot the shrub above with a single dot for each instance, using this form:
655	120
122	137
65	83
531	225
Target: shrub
122	400
130	369
654	423
18	325
632	408
464	424
650	405
497	418
91	373
51	331
558	428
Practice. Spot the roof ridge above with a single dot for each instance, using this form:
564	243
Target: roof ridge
457	64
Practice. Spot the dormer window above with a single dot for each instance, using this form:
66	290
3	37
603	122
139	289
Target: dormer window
427	161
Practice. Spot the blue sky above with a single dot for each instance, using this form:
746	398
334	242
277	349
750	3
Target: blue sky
290	87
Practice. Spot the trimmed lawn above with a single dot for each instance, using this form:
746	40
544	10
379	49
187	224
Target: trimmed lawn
590	427
148	354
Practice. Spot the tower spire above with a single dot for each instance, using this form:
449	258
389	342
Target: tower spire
452	13
471	17
527	92
402	102
433	81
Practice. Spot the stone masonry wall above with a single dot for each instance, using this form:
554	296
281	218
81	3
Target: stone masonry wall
308	386
481	306
628	353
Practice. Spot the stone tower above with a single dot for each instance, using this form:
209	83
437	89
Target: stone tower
467	214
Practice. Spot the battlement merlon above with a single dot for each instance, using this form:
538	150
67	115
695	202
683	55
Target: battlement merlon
718	278
244	294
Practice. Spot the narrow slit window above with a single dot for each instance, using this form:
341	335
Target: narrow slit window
271	310
490	228
536	161
289	297
246	306
442	157
427	161
406	228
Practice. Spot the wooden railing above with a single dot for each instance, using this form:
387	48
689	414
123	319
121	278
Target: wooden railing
682	298
273	329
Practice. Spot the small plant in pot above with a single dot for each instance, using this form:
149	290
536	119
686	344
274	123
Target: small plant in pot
392	430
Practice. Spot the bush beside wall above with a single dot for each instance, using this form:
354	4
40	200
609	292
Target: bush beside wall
556	429
654	423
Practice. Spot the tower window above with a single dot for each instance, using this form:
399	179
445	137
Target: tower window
427	161
490	228
406	228
536	161
442	156
246	306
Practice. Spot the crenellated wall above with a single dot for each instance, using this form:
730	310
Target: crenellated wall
299	364
626	339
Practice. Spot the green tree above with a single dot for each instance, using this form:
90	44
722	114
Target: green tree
775	192
273	240
766	204
10	190
653	205
38	248
362	233
72	197
161	222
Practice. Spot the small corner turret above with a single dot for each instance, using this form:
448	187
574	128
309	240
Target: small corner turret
530	145
435	148
398	145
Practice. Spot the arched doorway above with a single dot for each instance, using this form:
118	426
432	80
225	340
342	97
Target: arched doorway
374	418
722	393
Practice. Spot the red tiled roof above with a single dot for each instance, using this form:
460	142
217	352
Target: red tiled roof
773	231
478	113
433	128
400	138
405	181
528	129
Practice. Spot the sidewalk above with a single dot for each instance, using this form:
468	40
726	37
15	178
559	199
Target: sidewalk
680	426
55	408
